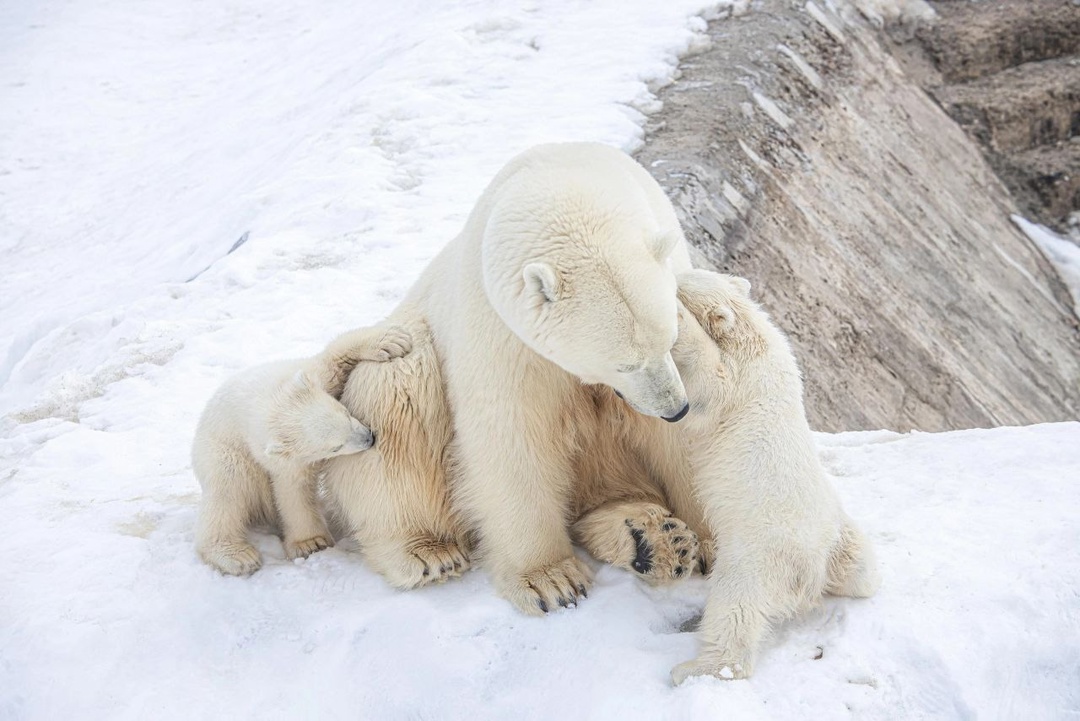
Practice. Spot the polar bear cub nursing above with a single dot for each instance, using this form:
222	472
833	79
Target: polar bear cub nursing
260	443
781	536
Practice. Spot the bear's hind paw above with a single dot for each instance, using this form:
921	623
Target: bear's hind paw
724	670
305	547
665	549
232	558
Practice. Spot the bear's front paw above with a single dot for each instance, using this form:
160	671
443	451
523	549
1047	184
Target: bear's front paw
396	342
302	548
721	669
442	560
664	548
556	586
417	562
232	558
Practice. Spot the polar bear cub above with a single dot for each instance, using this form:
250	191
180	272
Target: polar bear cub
260	442
781	536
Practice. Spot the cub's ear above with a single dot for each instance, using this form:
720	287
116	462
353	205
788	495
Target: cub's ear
707	296
541	280
718	320
302	382
741	285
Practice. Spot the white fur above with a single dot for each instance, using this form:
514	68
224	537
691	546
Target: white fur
260	441
563	275
781	536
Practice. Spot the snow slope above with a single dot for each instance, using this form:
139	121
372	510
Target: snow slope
346	143
1062	252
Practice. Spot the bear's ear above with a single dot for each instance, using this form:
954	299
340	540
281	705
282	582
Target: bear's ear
302	380
707	296
741	285
719	321
541	280
661	245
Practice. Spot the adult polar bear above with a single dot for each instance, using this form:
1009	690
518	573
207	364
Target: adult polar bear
564	275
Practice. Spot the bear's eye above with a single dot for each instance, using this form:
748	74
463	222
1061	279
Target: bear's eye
335	450
628	368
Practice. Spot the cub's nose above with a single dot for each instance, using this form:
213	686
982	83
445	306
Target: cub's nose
678	416
362	438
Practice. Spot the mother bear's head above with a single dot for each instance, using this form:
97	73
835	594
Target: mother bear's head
580	269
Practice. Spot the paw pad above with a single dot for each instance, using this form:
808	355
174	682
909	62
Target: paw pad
642	562
664	547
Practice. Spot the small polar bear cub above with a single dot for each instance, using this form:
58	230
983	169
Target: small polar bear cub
781	537
261	441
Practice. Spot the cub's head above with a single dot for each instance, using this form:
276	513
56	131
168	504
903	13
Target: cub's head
717	301
594	293
718	315
308	425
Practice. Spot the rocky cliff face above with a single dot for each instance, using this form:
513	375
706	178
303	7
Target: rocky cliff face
801	156
1009	73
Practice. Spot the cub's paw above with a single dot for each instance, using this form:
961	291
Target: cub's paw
559	585
396	342
232	558
302	548
418	561
721	669
664	548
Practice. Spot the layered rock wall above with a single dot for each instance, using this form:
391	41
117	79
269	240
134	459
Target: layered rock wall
800	155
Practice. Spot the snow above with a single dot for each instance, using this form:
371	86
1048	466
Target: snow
347	142
1062	252
882	13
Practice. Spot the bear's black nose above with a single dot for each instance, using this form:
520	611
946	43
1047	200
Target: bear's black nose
678	416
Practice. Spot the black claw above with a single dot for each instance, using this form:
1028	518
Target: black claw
701	564
444	569
543	606
680	571
562	602
426	572
682	553
581	589
679	539
629	522
669	526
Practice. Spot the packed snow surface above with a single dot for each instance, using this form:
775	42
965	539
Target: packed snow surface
334	148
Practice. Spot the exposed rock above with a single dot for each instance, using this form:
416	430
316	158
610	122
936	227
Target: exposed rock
1009	73
1046	178
973	39
1034	104
800	156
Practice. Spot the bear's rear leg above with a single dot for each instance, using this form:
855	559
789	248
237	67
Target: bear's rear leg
641	537
852	565
236	493
416	561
